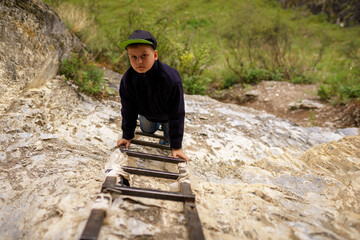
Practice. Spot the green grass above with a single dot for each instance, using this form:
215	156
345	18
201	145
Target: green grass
241	41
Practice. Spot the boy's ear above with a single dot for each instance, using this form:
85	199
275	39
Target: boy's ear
156	55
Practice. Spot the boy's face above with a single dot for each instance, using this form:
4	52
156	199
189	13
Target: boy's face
142	57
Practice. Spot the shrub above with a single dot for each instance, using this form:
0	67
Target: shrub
301	79
195	85
90	80
250	76
83	72
255	75
230	79
348	92
70	66
191	68
325	92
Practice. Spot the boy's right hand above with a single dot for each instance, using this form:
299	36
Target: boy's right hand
123	141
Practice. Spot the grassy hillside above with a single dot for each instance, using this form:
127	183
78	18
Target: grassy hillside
344	12
221	43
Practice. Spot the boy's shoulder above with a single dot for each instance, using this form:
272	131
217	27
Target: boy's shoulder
167	71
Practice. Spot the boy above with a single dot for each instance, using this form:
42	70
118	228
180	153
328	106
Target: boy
154	91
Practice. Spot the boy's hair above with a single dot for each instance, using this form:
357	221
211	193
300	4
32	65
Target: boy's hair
139	37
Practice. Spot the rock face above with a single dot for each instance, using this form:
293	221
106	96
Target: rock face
32	40
254	175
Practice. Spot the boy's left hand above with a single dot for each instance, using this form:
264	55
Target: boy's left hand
178	153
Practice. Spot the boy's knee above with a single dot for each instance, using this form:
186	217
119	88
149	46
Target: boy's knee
147	126
147	130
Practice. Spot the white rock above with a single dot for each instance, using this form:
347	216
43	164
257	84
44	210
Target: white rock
45	136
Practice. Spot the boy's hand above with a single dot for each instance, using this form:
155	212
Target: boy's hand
123	141
178	153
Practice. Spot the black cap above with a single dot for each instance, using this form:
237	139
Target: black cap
139	36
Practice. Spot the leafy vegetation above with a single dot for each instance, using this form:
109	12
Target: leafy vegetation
221	43
84	73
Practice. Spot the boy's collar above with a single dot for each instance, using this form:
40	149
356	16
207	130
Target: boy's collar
151	71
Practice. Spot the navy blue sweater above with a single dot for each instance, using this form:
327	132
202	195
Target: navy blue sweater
158	96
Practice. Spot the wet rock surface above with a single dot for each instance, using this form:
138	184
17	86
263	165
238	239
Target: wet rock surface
254	175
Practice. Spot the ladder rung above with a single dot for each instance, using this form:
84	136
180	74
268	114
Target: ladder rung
149	193
150	144
150	172
149	135
152	156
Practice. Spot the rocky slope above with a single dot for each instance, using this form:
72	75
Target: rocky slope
255	176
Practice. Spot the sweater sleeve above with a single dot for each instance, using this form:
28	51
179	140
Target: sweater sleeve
129	111
176	116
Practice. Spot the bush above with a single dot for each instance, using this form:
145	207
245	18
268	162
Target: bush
348	92
255	75
301	79
325	92
250	76
80	70
230	79
191	67
91	80
195	85
70	66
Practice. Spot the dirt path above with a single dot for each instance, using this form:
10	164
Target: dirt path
298	103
